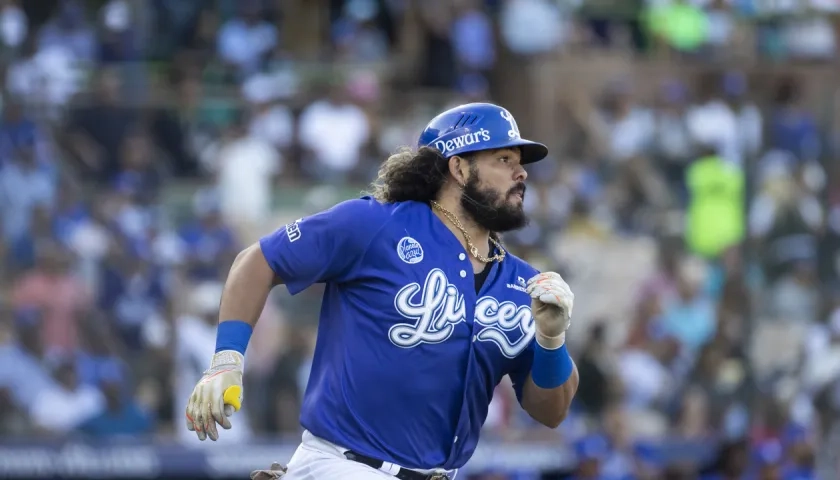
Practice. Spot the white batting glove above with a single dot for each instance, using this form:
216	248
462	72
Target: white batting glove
216	396
552	303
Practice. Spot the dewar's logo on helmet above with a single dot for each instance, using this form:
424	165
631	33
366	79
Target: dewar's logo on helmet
459	142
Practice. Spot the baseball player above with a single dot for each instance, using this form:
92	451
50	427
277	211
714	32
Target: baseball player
424	311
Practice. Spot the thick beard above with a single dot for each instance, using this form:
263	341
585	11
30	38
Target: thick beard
489	210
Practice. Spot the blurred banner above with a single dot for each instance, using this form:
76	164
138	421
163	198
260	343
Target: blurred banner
148	460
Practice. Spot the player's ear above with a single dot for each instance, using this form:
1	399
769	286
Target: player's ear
459	167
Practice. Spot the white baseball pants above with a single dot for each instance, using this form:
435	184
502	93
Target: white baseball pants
318	459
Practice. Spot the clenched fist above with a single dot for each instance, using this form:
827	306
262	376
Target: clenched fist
552	303
216	396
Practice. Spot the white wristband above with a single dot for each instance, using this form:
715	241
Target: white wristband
551	343
227	357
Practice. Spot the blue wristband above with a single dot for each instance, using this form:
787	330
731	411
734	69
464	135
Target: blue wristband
233	335
551	368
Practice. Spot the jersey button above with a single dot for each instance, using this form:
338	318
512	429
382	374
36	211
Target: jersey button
461	256
463	274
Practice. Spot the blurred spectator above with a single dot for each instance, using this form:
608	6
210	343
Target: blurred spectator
68	403
137	165
718	382
721	25
132	292
614	22
358	34
46	78
596	368
693	420
22	347
19	133
800	461
98	358
626	125
663	282
715	217
22	249
25	184
591	452
679	24
14	26
245	39
211	243
732	461
793	297
689	315
333	131
472	38
196	24
785	218
533	27
713	124
270	120
97	129
617	459
69	29
748	116
438	68
792	128
120	38
52	287
13	419
121	416
246	166
645	365
822	362
672	144
285	384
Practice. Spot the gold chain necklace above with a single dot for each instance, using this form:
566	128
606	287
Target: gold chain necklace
472	248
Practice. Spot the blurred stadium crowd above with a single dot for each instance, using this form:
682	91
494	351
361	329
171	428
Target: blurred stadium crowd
693	209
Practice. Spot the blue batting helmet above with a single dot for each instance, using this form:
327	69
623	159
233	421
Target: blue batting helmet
478	126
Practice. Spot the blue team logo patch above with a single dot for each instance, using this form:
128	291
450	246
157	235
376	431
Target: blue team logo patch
410	250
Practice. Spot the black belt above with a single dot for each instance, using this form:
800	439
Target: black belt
402	474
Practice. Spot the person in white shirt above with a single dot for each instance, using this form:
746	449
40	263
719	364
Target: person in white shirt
67	404
334	131
246	167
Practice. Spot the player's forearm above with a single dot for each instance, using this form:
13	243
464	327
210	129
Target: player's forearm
548	393
247	287
550	406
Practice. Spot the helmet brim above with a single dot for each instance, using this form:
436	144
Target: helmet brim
530	151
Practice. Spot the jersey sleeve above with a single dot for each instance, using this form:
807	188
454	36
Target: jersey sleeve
521	370
325	247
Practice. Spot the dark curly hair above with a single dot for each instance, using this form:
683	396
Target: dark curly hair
408	175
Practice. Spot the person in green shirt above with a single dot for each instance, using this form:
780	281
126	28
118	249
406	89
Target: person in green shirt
715	219
679	24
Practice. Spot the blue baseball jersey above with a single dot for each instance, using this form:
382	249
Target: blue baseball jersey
407	353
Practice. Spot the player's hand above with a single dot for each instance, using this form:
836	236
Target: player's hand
552	303
216	396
